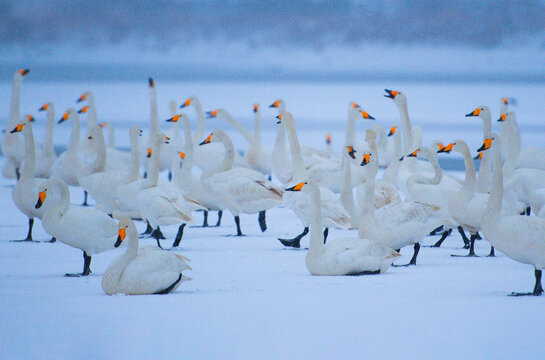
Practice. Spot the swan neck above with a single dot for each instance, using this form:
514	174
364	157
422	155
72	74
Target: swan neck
92	117
15	102
406	127
347	198
257	127
48	141
135	163
228	157
470	174
390	174
30	154
350	133
316	237
132	249
299	172
153	176
185	175
241	129
74	136
493	207
201	121
154	117
111	135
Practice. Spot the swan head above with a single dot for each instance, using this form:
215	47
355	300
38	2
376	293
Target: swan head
277	103
366	159
174	119
151	83
22	72
42	194
297	187
351	151
256	108
212	114
95	132
283	116
479	156
414	153
19	127
85	96
30	118
83	110
502	117
45	106
328	139
480	111
365	114
135	131
398	97
392	131
122	230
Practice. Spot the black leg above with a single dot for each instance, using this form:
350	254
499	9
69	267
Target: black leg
29	234
53	240
296	241
179	236
85	198
492	252
205	218
528	211
262	222
169	175
145	175
158	235
413	259
443	237
471	248
149	229
220	214
17	174
437	231
237	221
86	266
538	290
326	232
464	237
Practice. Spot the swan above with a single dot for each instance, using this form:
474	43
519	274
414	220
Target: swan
47	157
484	177
333	213
329	147
141	271
188	183
409	132
281	161
344	256
385	144
163	204
24	192
86	229
12	144
116	160
241	190
207	157
518	237
68	164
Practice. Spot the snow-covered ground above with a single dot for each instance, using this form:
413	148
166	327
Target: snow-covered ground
250	297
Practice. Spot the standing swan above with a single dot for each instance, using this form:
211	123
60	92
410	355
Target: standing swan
47	157
344	256
142	271
519	237
12	144
89	230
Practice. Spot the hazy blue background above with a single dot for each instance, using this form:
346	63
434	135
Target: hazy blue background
282	39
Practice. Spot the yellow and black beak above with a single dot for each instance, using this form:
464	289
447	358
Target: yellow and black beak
393	130
275	104
256	108
63	118
328	139
475	112
182	154
82	98
279	117
17	128
41	199
487	143
120	236
83	109
446	149
391	93
212	114
174	118
366	115
148	153
502	117
479	156
351	152
414	153
102	124
297	187
505	100
44	107
207	140
167	140
30	118
186	103
151	82
24	72
140	131
366	159
355	105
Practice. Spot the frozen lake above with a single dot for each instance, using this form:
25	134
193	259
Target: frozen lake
250	297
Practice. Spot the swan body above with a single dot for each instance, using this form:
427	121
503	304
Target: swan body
12	145
140	271
116	160
518	237
344	256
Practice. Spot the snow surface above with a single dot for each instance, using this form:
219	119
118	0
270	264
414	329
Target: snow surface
251	298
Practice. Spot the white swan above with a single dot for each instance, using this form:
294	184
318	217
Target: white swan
24	192
86	229
142	271
519	237
189	183
281	161
409	131
484	178
68	164
333	213
47	157
163	204
12	144
207	157
344	256
116	160
241	190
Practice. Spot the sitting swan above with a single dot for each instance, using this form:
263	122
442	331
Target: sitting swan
142	271
344	256
518	237
89	230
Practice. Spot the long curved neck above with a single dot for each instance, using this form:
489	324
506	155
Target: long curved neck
487	123
74	137
111	135
381	134
15	101
132	248
280	140
368	206
347	198
316	243
493	207
154	117
257	127
299	172
350	132
99	161
63	201
153	175
48	141
438	174
406	127
228	157
390	174
185	175
470	176
201	121
30	155
135	156
92	117
227	116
